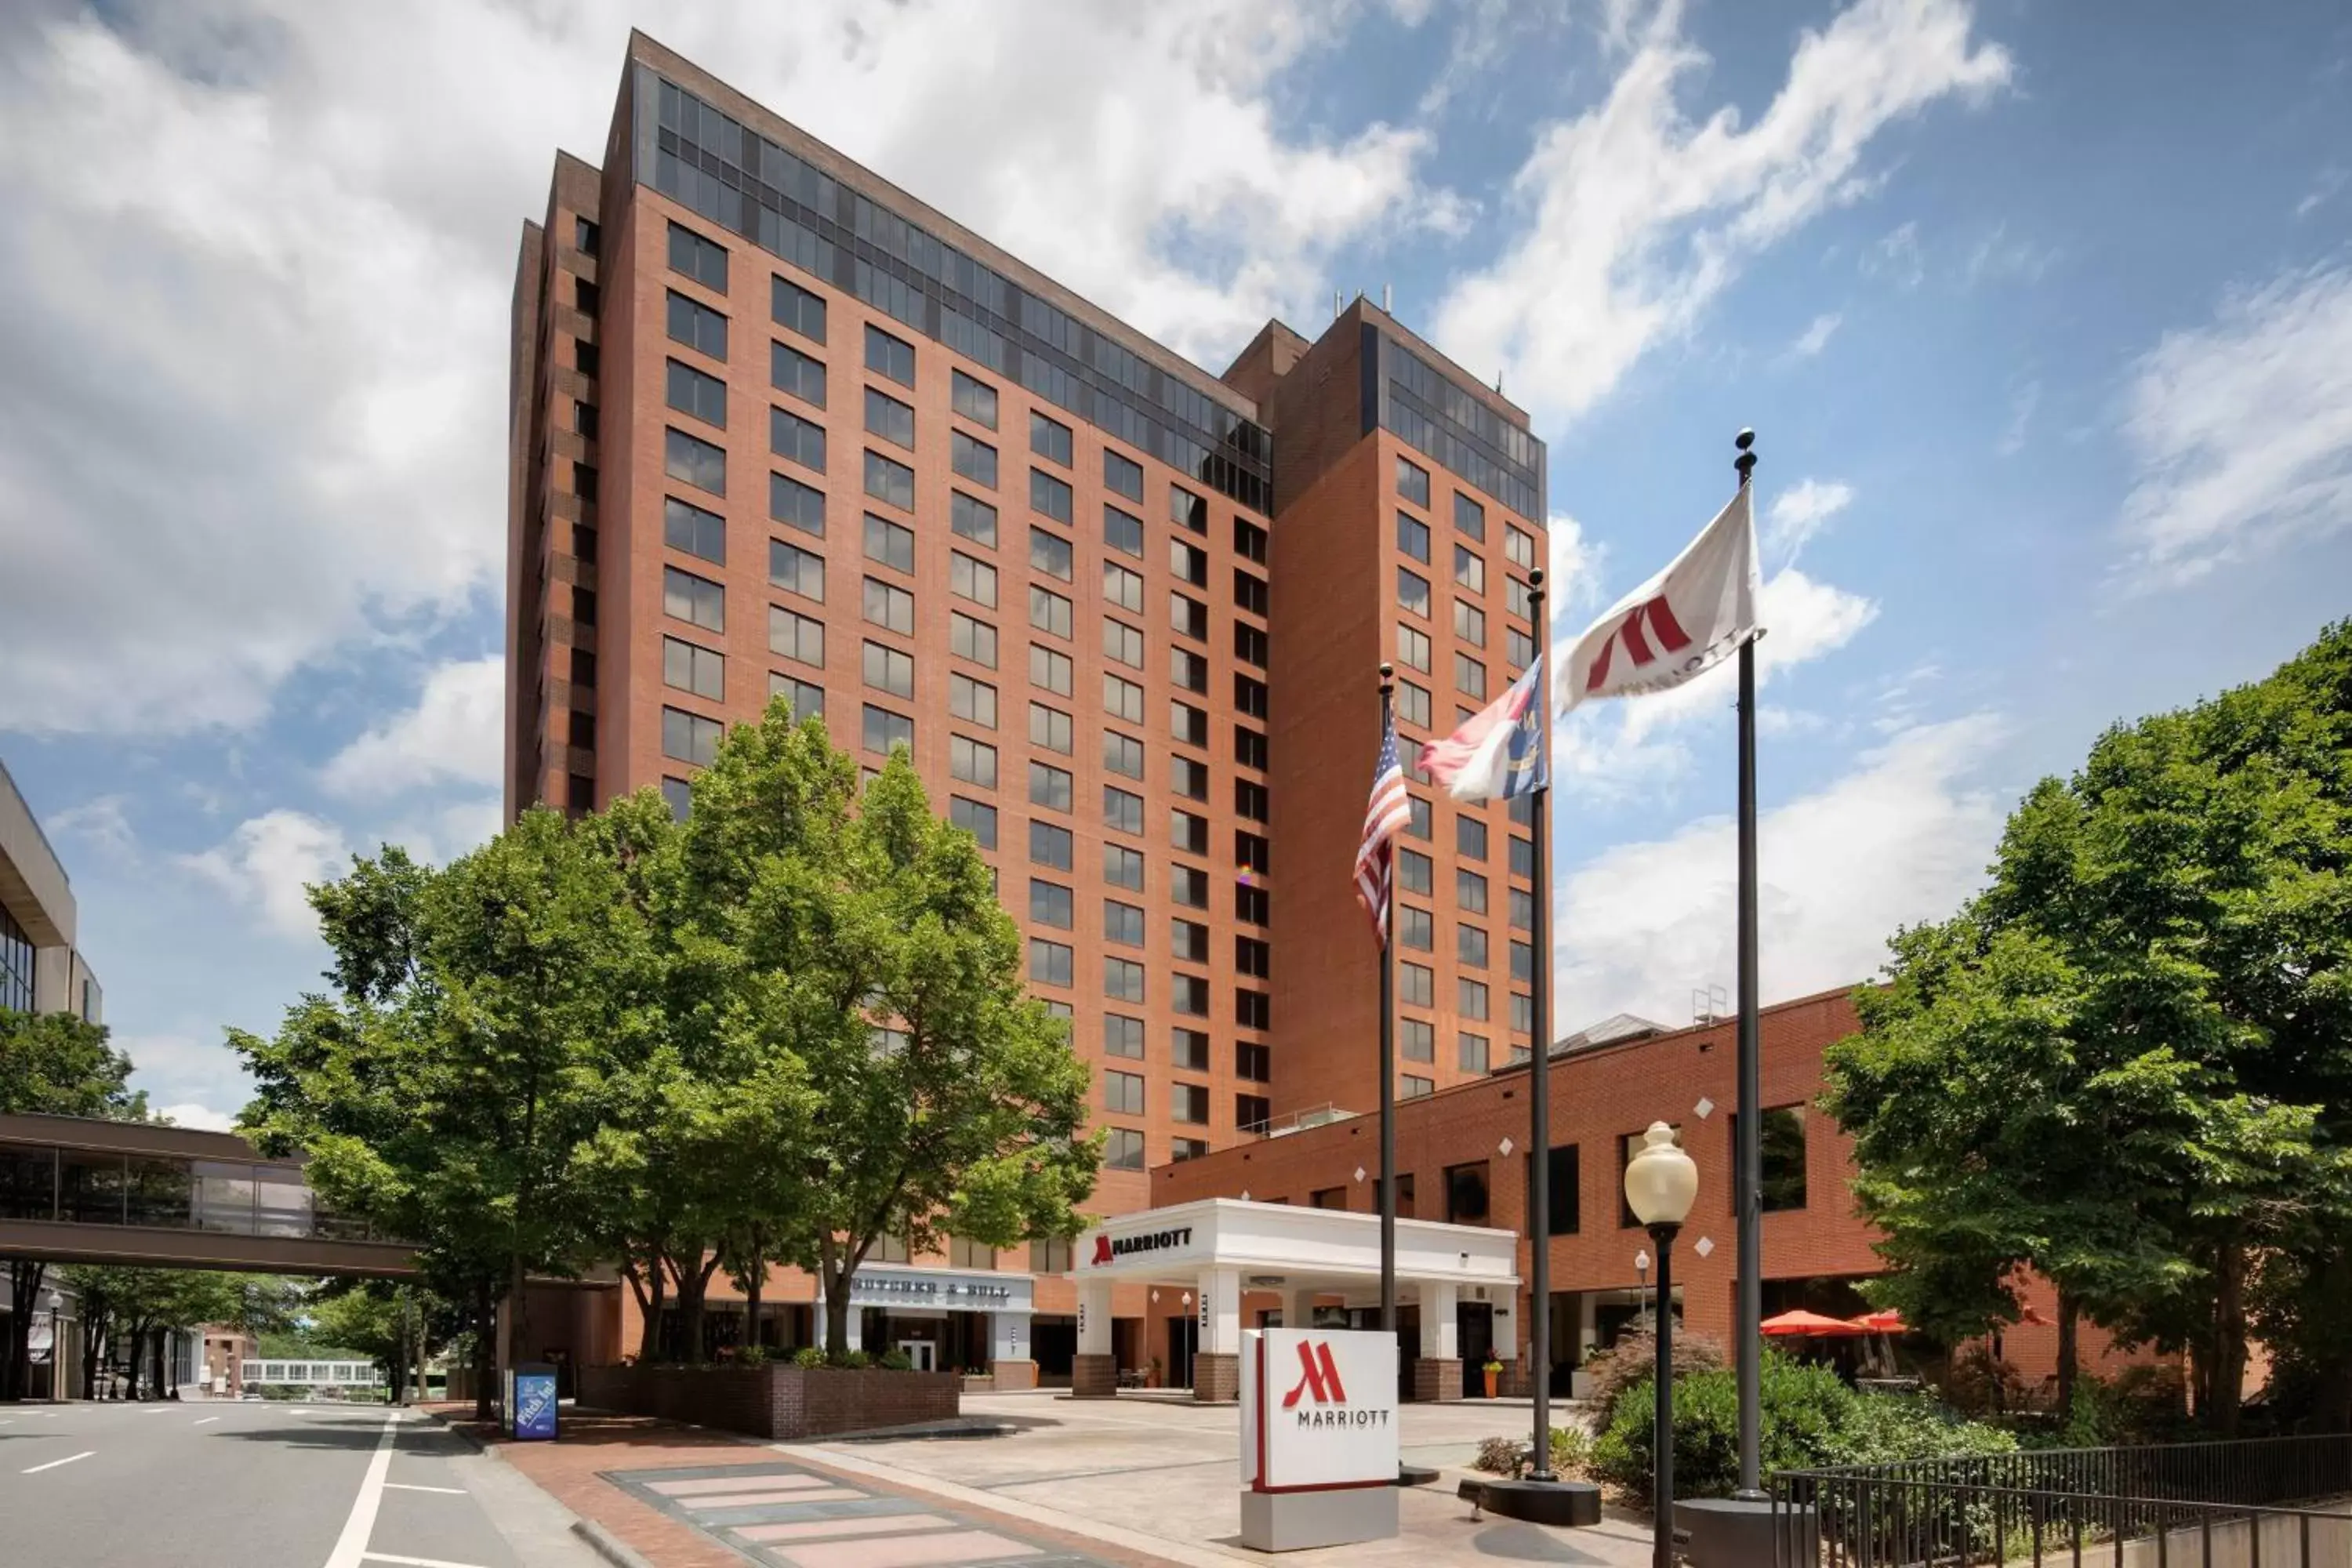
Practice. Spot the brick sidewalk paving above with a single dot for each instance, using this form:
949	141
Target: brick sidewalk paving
689	1498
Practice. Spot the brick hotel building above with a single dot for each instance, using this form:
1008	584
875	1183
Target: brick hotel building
778	427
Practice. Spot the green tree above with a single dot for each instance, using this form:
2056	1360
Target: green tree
2128	1062
864	935
53	1064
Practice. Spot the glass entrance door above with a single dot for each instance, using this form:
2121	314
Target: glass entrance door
918	1351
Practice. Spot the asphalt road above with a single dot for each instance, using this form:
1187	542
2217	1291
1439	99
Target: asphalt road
228	1484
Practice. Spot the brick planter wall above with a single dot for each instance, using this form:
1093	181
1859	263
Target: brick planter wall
1433	1379
1217	1377
1094	1377
775	1401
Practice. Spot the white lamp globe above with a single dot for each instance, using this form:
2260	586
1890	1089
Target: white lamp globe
1661	1179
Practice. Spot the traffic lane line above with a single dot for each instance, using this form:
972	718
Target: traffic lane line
413	1487
351	1546
53	1464
414	1562
204	1420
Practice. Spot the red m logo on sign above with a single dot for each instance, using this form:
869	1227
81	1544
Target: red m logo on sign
1318	1377
1102	1251
1670	636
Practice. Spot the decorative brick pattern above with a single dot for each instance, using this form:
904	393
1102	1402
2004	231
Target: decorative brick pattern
1094	1377
1014	1374
1433	1379
1216	1377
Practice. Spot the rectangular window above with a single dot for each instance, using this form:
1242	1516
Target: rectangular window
1188	725
1465	1193
1188	941
890	419
1783	1151
1563	1193
1252	851
890	480
1469	517
1190	670
689	737
1189	616
693	530
1122	754
887	670
797	309
1124	1150
1523	857
1252	1112
703	260
1518	648
1412	648
693	461
1052	963
1190	995
1523	910
973	699
1253	1009
1470	891
973	398
584	237
1187	511
889	357
1051	728
678	795
1122	979
1252	957
971	579
1473	998
1414	928
1469	677
1252	1063
1249	800
1122	1036
1123	868
1416	985
1123	698
1470	1051
888	606
1253	905
1417	810
1049	438
1519	547
1188	886
1412	537
1249	644
890	544
807	698
883	729
693	393
1123	923
1050	904
974	818
1249	541
1520	597
1122	810
1122	587
1416	1040
698	326
1049	671
970	518
1469	569
1249	592
1412	705
972	761
694	599
1049	612
1051	553
973	639
1469	622
1123	1093
795	440
691	666
1412	871
796	374
1249	747
1190	563
1413	592
1123	531
1188	1103
1122	643
1188	832
796	505
1411	481
975	460
1049	495
1050	845
1122	476
1470	946
1049	788
797	571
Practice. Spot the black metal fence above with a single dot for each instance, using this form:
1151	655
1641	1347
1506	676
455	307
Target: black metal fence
2283	1501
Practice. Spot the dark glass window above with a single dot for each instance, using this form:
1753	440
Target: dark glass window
1050	553
689	667
1050	845
890	419
1249	541
972	518
974	817
1124	476
1049	495
693	530
697	325
973	398
1249	592
1123	923
696	599
1465	1191
1413	481
1123	531
1412	537
796	374
796	439
796	505
693	393
1049	438
1123	868
1563	1195
1783	1151
797	309
889	357
689	737
797	571
1469	517
693	461
701	259
890	544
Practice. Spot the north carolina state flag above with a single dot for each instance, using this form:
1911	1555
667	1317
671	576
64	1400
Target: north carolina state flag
1678	625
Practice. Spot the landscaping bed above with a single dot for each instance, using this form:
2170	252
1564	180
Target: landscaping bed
781	1400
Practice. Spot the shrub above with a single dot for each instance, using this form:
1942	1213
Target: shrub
1880	1429
1500	1455
1631	1360
809	1355
1572	1454
896	1361
1802	1407
751	1355
1572	1451
854	1358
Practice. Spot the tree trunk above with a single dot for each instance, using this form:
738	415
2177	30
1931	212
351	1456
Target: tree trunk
836	1276
25	1279
484	1336
649	1333
2070	1321
93	1342
693	1292
2229	1337
161	1337
754	1279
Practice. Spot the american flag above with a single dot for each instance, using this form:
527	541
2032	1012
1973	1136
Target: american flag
1386	815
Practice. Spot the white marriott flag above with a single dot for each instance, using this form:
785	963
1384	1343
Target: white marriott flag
1682	621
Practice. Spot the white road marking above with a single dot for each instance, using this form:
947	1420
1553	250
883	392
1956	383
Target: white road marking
351	1547
412	1486
53	1464
415	1561
205	1420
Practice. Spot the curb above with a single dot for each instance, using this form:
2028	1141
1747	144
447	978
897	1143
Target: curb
607	1545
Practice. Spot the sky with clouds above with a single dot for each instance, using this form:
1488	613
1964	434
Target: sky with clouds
2043	312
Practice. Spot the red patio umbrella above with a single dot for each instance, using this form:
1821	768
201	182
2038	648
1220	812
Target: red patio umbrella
1807	1325
1887	1321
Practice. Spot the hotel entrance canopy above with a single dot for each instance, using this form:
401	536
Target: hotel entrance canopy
1214	1249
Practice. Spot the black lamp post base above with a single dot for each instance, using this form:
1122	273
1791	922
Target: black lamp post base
1733	1533
1572	1504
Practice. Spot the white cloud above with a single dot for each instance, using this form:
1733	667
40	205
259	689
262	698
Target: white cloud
102	822
203	1117
1628	747
2243	430
259	257
1897	256
1572	573
453	734
1999	259
268	861
189	1079
1796	515
1636	218
2322	192
1902	838
1816	335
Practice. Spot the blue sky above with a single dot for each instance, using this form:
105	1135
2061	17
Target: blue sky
2044	314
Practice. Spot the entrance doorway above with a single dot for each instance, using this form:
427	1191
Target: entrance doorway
1474	1336
919	1352
1183	1343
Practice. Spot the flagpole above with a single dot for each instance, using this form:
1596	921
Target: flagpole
1747	1157
1540	1082
1388	1052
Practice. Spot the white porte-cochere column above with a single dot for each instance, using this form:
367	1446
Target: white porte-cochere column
1439	1339
1011	1358
1216	1359
1298	1308
1093	1373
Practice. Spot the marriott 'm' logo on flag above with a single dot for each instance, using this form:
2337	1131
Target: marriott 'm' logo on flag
1319	1378
1662	626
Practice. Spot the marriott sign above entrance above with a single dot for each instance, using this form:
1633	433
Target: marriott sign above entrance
1168	1244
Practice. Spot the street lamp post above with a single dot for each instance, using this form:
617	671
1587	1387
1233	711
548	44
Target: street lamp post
1661	1184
